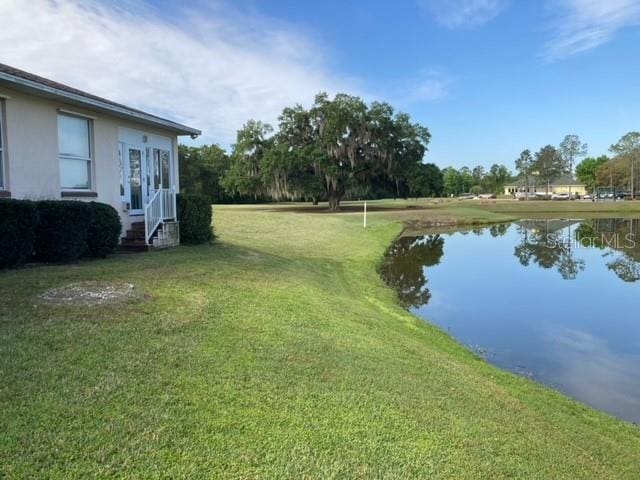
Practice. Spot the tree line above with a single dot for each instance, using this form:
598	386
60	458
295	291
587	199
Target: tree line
475	181
339	148
619	172
344	149
551	162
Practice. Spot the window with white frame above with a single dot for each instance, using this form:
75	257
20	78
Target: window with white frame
2	147
75	146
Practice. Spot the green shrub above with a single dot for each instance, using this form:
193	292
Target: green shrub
104	230
56	230
194	214
18	225
62	230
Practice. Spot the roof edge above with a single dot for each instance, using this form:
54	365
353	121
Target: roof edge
119	110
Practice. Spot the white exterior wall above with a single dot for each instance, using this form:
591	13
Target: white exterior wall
31	152
31	156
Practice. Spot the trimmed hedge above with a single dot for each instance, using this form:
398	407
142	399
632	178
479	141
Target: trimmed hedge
103	234
56	231
62	230
68	230
18	225
194	214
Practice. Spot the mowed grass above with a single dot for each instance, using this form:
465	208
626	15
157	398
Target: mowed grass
277	352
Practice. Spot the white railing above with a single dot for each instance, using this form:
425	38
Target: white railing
161	207
169	204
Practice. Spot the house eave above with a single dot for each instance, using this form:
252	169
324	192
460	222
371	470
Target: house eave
75	99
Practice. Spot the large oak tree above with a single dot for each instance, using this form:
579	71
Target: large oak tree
337	145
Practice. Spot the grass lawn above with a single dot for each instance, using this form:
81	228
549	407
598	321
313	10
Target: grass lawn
278	352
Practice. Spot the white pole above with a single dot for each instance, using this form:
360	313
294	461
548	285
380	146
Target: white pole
365	214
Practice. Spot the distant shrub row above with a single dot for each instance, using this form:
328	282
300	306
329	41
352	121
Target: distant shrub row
194	214
56	231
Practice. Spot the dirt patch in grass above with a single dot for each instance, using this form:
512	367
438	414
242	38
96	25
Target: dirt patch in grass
91	293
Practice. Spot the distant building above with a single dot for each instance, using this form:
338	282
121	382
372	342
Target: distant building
561	185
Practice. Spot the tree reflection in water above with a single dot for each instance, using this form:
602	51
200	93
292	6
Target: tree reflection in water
617	235
549	244
626	268
532	333
403	266
499	230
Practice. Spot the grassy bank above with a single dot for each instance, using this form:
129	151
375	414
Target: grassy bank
275	353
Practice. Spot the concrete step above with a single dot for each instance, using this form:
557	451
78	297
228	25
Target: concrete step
134	234
134	248
134	241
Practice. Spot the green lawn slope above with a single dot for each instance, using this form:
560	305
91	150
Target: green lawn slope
277	352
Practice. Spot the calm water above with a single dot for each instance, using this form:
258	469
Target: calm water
555	300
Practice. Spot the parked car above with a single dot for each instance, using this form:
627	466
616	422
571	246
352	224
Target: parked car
605	196
587	197
486	196
560	196
525	196
466	196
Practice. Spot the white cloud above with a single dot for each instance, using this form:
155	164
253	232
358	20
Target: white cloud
430	86
210	67
588	368
463	13
586	24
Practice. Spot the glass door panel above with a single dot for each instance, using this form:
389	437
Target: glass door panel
161	168
165	168
157	178
136	179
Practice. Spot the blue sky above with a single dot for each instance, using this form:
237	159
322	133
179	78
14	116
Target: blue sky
502	88
488	77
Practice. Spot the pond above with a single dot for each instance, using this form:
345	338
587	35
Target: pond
554	300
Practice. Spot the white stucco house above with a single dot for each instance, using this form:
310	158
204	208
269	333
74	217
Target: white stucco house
57	142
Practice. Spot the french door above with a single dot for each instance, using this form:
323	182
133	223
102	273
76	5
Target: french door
145	171
135	169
